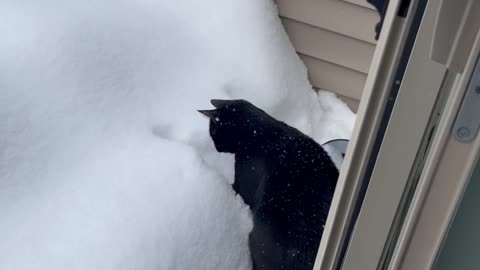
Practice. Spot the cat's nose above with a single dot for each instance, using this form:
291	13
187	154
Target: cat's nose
208	113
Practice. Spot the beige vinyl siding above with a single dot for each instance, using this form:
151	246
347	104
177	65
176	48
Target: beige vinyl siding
335	39
335	78
362	3
351	103
330	46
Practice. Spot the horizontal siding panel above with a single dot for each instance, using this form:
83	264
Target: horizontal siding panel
334	78
351	103
362	3
329	46
334	15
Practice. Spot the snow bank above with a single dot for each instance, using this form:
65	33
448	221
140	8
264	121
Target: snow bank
104	161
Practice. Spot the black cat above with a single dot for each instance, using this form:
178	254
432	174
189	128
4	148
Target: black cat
285	177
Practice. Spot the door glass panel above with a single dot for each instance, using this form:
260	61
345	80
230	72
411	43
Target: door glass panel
461	248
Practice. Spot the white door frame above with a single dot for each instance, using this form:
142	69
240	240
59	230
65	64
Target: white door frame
436	196
360	149
441	186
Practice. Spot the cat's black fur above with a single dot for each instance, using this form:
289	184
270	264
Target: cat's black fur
286	177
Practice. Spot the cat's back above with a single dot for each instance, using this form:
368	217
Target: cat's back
295	203
301	175
295	155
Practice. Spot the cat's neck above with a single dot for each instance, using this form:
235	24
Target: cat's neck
262	139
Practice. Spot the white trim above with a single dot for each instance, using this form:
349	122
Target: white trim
370	113
441	186
397	155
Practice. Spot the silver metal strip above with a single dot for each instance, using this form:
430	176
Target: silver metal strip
467	123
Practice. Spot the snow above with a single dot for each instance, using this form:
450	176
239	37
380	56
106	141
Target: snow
104	161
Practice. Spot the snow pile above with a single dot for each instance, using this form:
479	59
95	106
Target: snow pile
104	161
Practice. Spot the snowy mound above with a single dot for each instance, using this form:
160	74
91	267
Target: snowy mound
104	161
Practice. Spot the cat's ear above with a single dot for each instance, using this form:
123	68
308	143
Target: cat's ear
209	113
219	103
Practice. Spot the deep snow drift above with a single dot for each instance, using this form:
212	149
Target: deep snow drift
104	161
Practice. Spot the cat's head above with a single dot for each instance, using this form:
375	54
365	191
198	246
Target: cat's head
232	123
